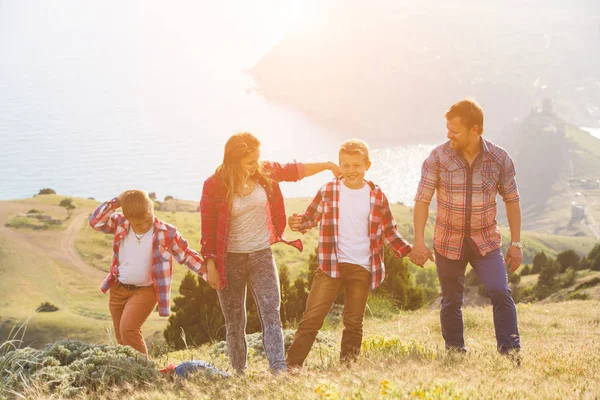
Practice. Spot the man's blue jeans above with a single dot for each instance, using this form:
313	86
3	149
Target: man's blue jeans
492	272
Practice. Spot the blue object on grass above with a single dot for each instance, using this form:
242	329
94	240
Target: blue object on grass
188	367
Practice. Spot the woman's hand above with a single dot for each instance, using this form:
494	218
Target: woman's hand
213	274
335	169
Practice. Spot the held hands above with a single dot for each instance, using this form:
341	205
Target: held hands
513	258
420	254
213	274
295	222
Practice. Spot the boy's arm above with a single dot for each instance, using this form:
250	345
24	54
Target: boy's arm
314	212
390	231
105	218
185	255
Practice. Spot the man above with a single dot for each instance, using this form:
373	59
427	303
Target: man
467	172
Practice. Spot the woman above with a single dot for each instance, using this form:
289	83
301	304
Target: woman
141	270
242	216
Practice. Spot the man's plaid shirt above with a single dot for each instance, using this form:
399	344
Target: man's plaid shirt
382	227
466	196
166	241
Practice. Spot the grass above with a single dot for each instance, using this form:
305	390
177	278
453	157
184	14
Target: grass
33	263
403	358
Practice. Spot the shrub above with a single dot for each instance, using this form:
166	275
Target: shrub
70	368
46	307
167	198
34	211
394	347
47	191
588	284
255	346
578	296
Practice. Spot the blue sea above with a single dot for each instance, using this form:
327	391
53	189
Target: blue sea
96	98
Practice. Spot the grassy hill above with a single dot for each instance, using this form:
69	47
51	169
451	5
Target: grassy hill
65	265
403	358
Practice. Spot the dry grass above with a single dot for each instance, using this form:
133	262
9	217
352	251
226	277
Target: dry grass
403	357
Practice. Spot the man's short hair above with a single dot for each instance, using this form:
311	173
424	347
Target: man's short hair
355	146
470	114
136	205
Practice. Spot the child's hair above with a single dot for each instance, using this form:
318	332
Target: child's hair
136	205
237	147
470	114
355	146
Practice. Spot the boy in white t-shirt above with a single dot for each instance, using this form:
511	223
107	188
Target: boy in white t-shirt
355	220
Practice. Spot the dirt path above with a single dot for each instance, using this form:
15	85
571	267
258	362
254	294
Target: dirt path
59	245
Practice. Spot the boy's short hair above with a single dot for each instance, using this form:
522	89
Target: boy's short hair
470	114
136	205
355	146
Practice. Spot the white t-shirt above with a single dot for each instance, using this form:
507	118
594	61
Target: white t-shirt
135	259
353	230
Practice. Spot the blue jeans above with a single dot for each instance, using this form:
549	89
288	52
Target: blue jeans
492	272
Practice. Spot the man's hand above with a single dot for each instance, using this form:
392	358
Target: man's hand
420	254
295	222
213	274
513	258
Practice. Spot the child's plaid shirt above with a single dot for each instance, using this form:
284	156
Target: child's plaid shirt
166	241
382	227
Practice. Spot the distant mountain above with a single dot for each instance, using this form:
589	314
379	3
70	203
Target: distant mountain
387	70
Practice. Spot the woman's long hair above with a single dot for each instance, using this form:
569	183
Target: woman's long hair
237	147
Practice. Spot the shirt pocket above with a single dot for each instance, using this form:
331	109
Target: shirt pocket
452	183
490	178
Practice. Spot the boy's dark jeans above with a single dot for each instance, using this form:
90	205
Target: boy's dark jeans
356	281
492	272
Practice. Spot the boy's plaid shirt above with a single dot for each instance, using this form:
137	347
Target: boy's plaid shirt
466	196
166	241
382	227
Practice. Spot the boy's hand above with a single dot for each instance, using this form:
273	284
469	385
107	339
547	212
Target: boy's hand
213	274
420	254
295	222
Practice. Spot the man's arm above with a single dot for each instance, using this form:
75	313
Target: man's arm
514	255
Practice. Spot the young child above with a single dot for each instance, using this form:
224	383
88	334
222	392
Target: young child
355	221
141	270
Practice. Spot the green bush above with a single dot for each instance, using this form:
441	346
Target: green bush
47	191
46	307
255	346
588	284
578	296
69	367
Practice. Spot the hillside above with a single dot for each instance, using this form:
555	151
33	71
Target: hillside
403	358
388	70
65	265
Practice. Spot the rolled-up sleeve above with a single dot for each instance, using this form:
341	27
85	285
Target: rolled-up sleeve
430	172
288	172
507	187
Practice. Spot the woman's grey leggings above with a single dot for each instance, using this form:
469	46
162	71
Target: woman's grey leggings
258	271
